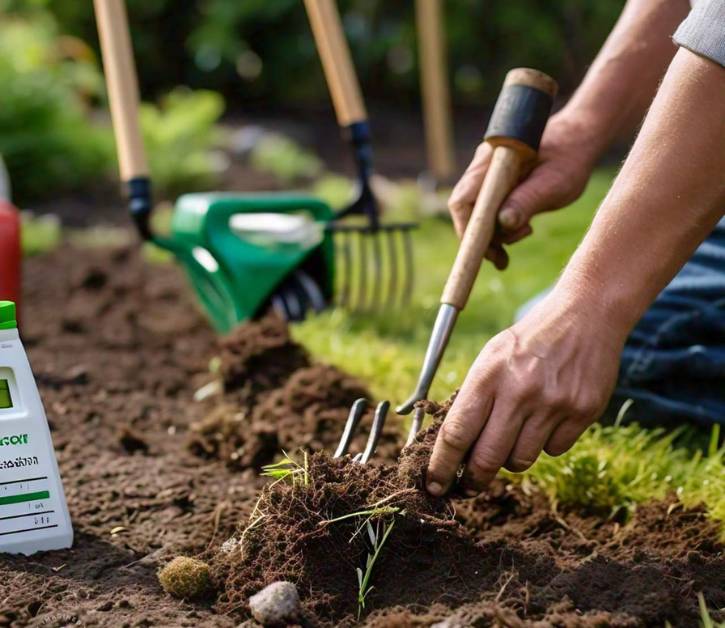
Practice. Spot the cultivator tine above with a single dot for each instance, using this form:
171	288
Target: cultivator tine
416	424
346	268
376	430
393	268
377	271
356	412
363	284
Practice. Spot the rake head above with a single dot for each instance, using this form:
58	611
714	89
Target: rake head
375	260
357	411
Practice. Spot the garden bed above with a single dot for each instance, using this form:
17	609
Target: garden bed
119	352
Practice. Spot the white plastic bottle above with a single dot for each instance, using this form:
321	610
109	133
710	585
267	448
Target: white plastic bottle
33	511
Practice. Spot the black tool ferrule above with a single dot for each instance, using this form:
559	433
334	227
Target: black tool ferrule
358	134
521	113
139	204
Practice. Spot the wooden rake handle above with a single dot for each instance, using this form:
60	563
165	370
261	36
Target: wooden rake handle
514	133
122	86
336	61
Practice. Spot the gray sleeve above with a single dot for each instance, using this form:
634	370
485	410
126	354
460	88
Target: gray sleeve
703	31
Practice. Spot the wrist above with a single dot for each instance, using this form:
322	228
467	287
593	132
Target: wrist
586	129
603	300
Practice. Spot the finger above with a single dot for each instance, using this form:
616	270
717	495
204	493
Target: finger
564	436
460	203
541	191
493	447
515	236
459	431
498	255
533	436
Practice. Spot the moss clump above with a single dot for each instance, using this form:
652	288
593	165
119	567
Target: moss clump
186	578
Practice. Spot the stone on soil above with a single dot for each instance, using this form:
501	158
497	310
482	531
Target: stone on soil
278	604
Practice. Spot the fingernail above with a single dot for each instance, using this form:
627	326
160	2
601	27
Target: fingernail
470	493
435	489
509	218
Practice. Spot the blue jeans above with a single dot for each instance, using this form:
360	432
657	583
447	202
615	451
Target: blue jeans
673	363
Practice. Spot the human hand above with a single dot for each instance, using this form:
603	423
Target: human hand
565	161
536	386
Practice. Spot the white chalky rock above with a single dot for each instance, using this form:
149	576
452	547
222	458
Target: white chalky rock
278	604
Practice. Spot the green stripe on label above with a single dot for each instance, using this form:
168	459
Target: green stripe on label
24	497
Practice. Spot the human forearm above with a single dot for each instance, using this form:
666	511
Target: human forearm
667	198
613	97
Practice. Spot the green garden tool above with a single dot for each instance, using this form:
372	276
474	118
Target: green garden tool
243	253
375	258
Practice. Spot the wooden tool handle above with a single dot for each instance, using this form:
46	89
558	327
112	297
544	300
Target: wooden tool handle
336	61
514	132
122	86
434	84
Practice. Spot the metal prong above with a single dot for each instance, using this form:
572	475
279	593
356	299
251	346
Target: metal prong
361	304
442	328
346	270
408	268
377	269
415	425
353	419
393	268
376	430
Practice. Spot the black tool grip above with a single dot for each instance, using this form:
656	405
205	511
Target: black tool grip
522	108
521	113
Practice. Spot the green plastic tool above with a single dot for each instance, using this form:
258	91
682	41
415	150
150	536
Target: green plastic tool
243	253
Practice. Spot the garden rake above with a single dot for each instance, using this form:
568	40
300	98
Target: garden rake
375	259
514	133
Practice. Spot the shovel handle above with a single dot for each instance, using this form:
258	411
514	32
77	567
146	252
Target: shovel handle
336	61
122	86
514	133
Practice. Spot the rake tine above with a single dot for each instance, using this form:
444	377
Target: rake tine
416	424
361	305
381	412
378	270
346	263
356	412
408	272
393	264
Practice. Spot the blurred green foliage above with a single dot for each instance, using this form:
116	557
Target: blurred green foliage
46	138
180	134
284	158
52	105
260	50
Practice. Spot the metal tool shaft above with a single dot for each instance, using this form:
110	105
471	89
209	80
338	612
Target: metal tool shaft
444	323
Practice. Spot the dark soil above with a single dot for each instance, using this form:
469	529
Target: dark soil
503	559
274	398
119	350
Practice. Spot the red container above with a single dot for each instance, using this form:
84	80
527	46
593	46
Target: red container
9	253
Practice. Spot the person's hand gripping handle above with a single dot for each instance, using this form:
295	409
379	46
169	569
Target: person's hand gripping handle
514	133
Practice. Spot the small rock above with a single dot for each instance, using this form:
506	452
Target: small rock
278	604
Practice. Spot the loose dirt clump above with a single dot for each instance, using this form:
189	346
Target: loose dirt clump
503	559
259	357
307	532
275	398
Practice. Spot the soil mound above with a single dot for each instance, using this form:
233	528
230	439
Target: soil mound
275	398
503	559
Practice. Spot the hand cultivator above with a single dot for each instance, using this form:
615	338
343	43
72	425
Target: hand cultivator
514	133
369	244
